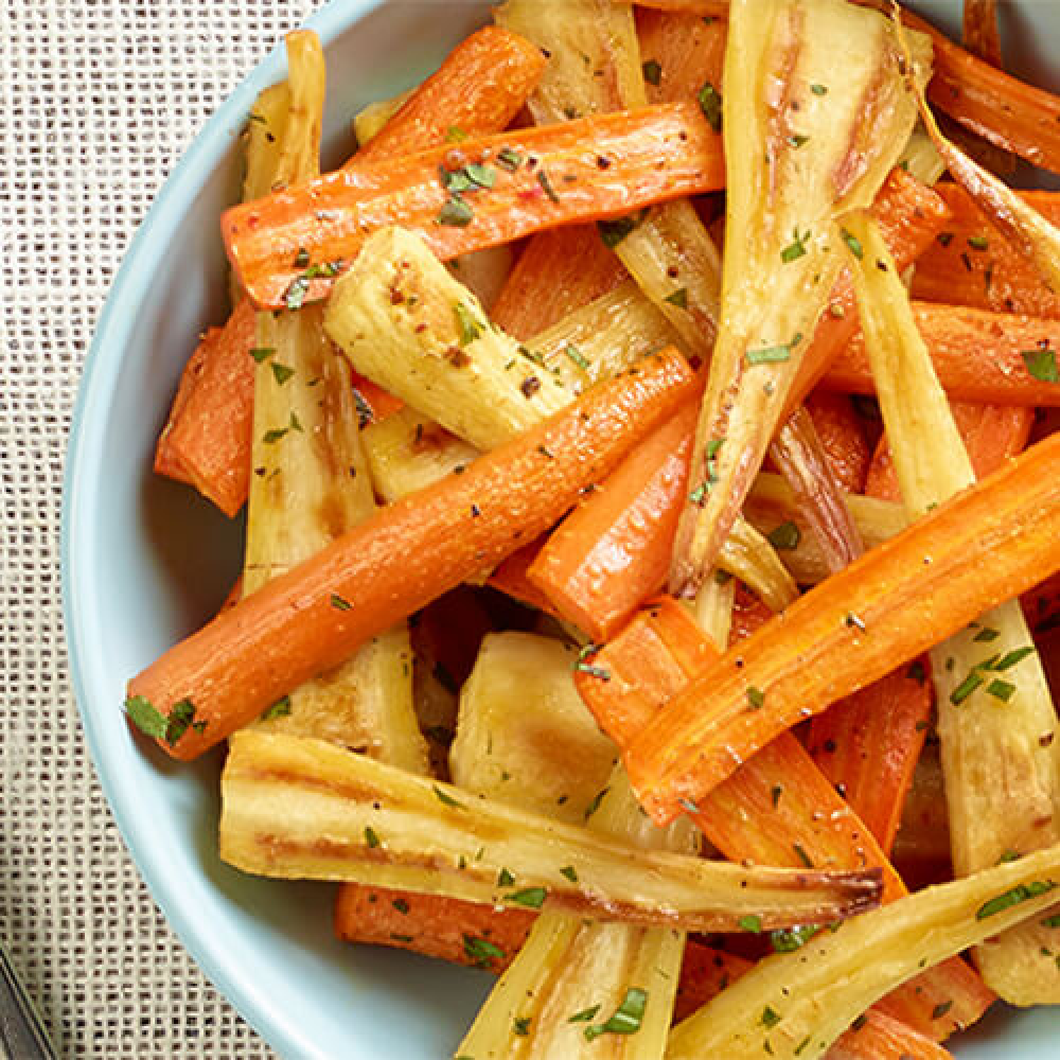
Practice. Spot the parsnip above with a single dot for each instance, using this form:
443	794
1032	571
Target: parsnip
369	121
524	735
796	1004
300	808
997	721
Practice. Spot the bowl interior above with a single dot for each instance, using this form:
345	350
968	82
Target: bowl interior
146	561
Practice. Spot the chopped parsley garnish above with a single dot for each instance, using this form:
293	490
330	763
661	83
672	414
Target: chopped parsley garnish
1051	921
965	688
688	805
819	90
595	804
793	939
756	697
150	721
466	324
454	134
999	689
941	1009
585	1015
679	298
652	72
1042	365
280	709
482	951
294	298
576	356
613	232
180	717
796	248
446	799
521	1025
281	372
751	923
985	635
546	185
455	212
786	536
978	242
509	159
262	353
769	1017
1010	659
301	259
401	906
371	838
340	603
854	243
710	102
1022	893
570	873
531	897
627	1018
593	671
771	354
798	140
505	878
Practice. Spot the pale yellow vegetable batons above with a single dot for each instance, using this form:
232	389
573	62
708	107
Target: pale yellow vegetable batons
524	735
368	122
796	1004
310	481
301	808
409	326
807	140
996	717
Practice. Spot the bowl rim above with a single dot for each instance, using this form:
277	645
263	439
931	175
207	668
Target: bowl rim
99	375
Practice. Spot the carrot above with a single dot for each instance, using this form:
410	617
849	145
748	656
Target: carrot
613	551
578	171
980	33
373	402
310	619
558	272
167	462
706	972
973	263
868	745
842	435
511	579
1043	604
980	355
480	88
687	52
988	544
777	808
448	928
208	434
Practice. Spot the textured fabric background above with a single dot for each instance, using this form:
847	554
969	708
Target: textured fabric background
98	99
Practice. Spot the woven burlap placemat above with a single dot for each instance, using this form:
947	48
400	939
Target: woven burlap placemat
98	99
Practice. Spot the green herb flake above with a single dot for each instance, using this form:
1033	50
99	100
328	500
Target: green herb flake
505	878
482	951
262	353
281	372
446	799
585	1016
280	709
756	697
301	259
854	243
401	906
593	671
788	941
371	838
1042	365
595	804
509	159
819	90
613	232
978	242
679	298
1051	921
467	326
531	897
455	212
481	175
570	873
546	185
688	805
150	721
770	1018
796	248
1011	658
454	134
521	1025
340	604
798	140
294	297
965	688
999	689
652	72
627	1018
710	103
575	355
986	635
1024	892
769	355
751	923
180	717
785	537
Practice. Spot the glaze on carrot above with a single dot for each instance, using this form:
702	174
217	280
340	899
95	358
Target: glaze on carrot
579	171
310	619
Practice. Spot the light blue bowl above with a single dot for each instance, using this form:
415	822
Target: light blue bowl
145	562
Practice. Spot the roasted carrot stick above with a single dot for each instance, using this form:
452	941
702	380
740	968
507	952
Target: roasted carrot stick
521	182
448	928
511	579
842	435
558	272
988	544
167	462
312	618
979	31
373	402
479	89
973	263
682	53
208	436
979	355
778	808
613	551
